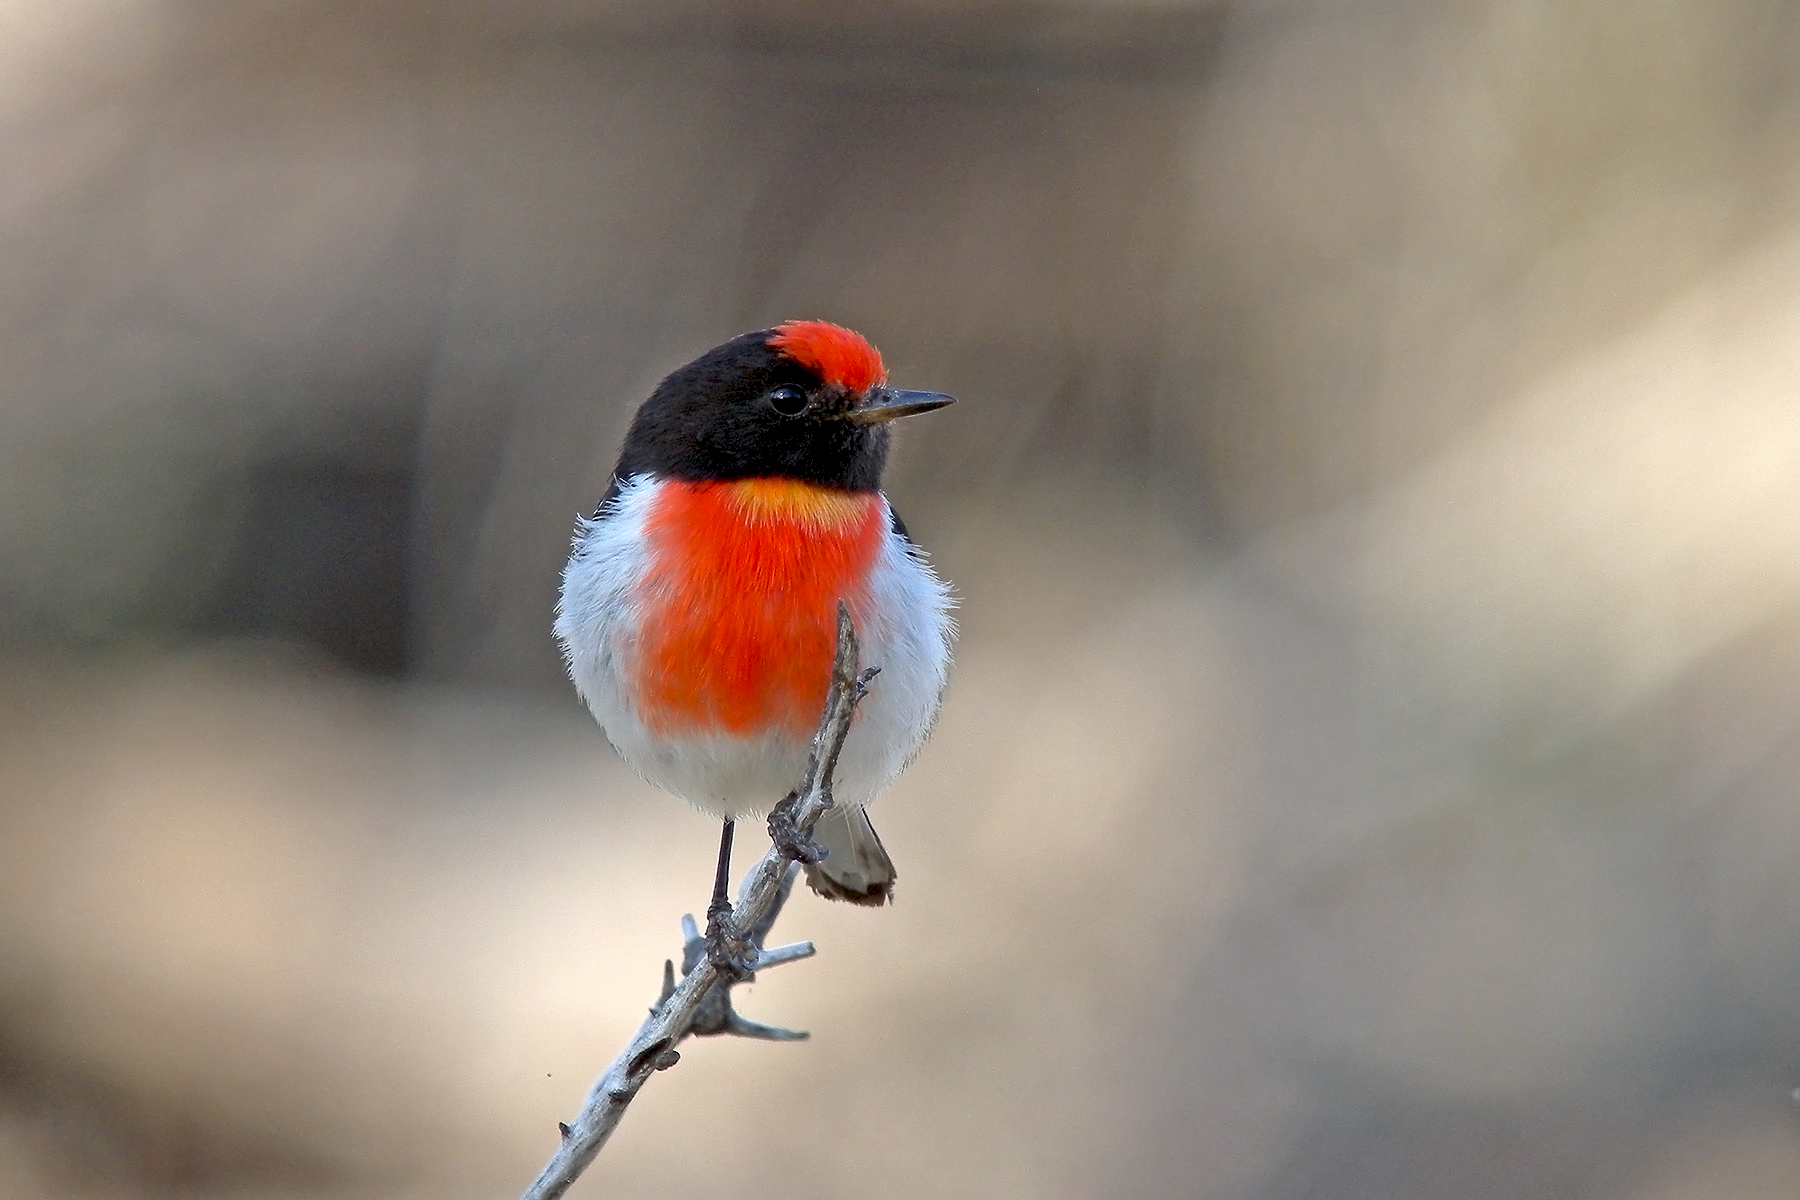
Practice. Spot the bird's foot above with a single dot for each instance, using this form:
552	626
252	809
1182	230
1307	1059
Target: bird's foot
728	948
785	832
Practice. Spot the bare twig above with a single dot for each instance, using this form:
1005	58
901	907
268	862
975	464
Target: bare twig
701	1003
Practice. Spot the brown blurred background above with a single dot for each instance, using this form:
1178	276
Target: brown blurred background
1371	766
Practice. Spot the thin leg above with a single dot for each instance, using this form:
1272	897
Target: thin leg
726	946
722	881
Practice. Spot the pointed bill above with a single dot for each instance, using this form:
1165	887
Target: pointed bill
890	404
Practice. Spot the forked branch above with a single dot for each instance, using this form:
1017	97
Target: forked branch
701	1003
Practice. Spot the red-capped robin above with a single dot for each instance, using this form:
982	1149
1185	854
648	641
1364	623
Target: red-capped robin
699	609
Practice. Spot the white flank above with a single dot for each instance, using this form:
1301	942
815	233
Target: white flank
905	628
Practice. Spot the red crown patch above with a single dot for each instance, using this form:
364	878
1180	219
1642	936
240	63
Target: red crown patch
837	355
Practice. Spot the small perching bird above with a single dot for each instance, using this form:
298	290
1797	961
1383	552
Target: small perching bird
699	608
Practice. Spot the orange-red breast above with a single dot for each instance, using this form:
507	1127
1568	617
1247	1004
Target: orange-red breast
698	611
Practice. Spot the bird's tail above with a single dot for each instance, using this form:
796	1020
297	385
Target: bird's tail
856	867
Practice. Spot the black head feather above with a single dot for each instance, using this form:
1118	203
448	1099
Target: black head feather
725	416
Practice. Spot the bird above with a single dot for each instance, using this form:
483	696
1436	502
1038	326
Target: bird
698	608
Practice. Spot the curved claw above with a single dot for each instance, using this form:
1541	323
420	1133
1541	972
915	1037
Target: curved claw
860	687
728	948
785	832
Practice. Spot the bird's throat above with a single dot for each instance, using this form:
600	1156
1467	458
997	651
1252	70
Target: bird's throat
794	501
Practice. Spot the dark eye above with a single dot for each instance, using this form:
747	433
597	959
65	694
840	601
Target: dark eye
787	400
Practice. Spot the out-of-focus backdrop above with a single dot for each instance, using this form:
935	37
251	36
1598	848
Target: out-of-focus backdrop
1371	764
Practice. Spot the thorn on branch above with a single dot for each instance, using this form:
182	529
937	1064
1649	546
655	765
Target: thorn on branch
793	952
739	1026
715	1016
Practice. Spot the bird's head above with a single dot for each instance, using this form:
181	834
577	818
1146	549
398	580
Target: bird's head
805	400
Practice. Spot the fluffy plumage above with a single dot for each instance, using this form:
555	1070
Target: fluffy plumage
698	610
726	725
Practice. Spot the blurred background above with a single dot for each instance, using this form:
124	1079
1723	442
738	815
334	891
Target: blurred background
1370	767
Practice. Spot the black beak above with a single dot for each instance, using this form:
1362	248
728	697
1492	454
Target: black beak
890	404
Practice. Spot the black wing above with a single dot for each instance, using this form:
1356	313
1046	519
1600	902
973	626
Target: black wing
612	493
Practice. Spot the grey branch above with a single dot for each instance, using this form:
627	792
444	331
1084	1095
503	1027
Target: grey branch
701	1003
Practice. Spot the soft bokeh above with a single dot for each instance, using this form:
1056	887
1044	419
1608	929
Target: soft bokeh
1370	769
